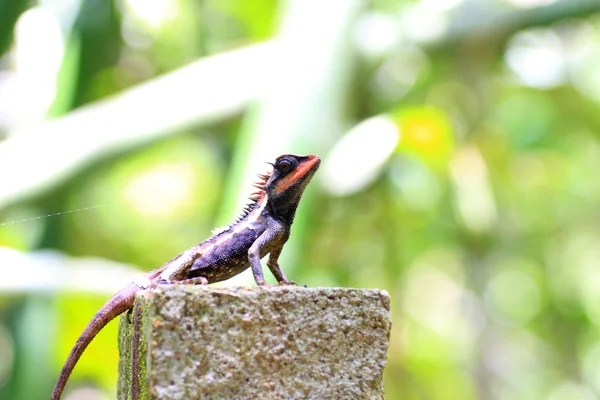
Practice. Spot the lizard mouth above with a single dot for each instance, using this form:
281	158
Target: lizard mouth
311	166
301	176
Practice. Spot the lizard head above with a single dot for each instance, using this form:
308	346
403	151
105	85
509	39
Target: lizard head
291	174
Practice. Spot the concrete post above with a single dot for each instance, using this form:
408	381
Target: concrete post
199	342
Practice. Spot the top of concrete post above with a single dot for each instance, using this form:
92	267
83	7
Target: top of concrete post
250	343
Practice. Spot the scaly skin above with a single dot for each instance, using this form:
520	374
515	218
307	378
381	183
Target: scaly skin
263	228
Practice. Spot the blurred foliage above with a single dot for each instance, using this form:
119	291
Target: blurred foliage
481	221
9	12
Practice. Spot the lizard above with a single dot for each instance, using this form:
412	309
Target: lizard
262	228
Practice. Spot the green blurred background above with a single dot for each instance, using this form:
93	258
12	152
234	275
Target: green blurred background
460	142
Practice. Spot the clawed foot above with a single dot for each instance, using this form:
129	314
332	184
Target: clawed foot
281	283
287	283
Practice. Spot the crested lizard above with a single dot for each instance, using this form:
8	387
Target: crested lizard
261	229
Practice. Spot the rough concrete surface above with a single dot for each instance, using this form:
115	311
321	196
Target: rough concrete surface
198	342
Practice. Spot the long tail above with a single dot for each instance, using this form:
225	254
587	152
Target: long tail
117	304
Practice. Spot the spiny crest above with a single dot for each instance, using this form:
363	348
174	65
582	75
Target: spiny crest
254	198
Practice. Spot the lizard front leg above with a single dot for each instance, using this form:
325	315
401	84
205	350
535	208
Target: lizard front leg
276	270
273	233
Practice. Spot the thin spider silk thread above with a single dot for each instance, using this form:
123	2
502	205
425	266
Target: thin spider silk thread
53	214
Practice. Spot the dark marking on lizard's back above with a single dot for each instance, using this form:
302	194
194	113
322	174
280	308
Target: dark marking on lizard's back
225	253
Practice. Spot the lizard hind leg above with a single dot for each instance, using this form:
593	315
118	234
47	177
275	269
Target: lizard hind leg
199	280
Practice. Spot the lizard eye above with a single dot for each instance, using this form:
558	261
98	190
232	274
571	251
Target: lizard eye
284	165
